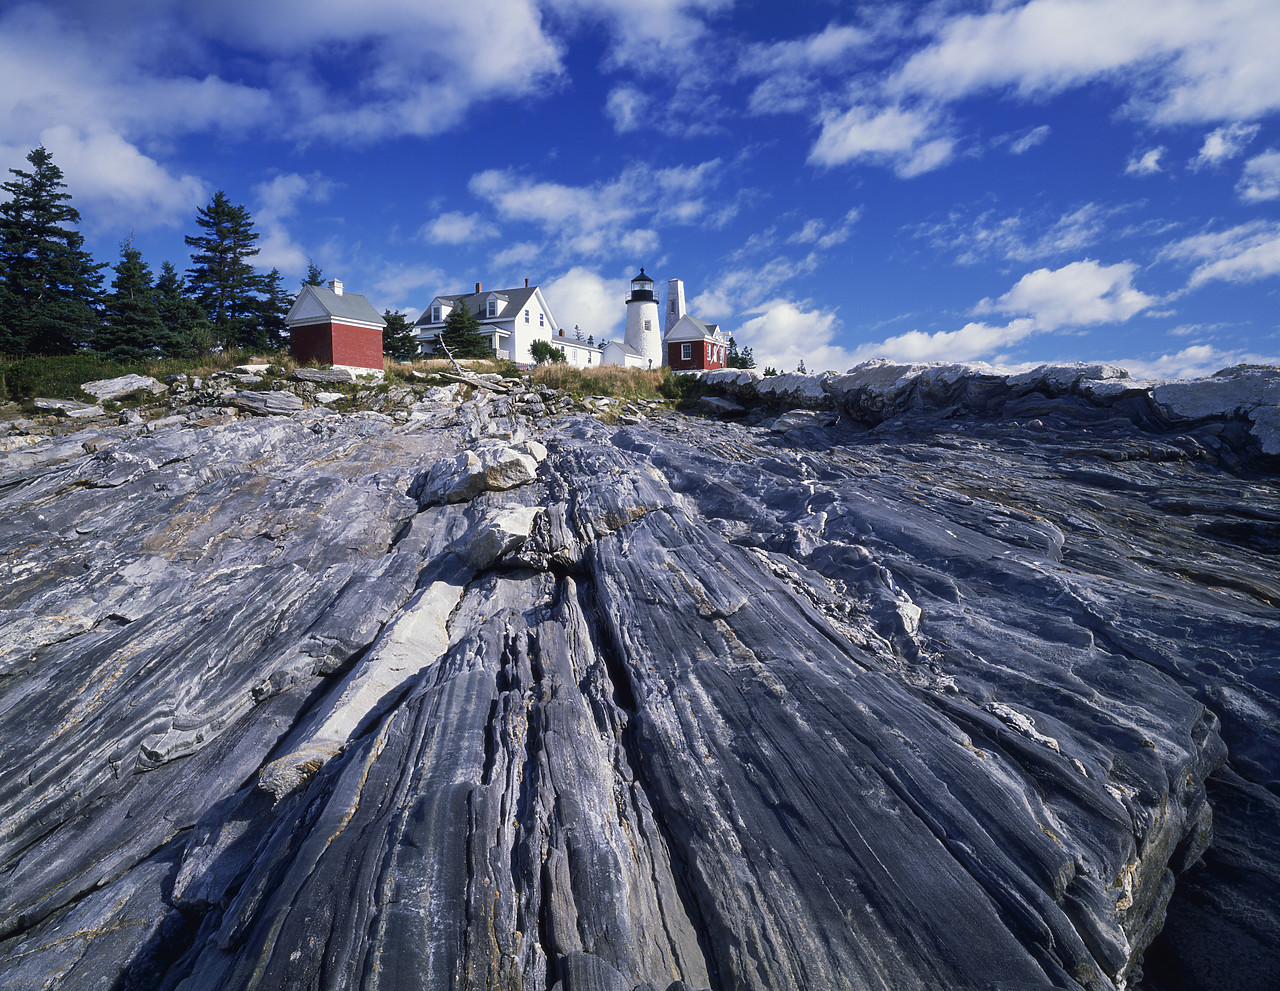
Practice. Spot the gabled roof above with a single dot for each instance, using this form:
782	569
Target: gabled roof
317	301
476	303
687	328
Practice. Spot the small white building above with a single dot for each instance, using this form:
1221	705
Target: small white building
512	319
577	354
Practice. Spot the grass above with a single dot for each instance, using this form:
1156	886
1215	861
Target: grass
603	380
60	376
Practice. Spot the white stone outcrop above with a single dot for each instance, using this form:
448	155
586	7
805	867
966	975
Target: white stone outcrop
491	465
102	389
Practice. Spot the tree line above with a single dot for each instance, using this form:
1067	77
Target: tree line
52	299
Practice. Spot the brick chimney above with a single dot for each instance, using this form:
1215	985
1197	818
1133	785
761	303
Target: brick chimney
477	287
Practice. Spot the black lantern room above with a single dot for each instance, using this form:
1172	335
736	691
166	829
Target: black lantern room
641	288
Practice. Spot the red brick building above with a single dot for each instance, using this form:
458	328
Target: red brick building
694	345
335	328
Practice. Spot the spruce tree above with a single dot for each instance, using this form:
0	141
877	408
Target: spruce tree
222	280
133	328
461	334
314	276
49	285
190	332
398	339
271	309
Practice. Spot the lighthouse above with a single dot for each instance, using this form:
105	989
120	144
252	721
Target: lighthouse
643	334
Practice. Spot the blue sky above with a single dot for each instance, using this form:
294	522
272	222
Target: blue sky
1008	181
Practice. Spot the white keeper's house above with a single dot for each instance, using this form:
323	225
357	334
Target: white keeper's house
511	319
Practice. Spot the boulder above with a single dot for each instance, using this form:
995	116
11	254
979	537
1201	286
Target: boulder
68	407
491	466
324	375
266	403
102	389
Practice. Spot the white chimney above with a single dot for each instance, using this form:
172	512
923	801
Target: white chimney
336	286
675	304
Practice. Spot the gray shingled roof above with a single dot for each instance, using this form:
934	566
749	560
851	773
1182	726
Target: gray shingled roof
350	305
516	298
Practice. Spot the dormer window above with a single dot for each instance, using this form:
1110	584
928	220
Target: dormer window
492	309
435	313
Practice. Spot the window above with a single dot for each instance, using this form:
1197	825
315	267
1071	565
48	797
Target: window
493	308
435	314
526	316
647	324
686	352
588	357
673	306
708	352
542	319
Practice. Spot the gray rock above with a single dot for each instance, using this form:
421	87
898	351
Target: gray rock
324	375
114	388
68	408
927	699
715	404
266	403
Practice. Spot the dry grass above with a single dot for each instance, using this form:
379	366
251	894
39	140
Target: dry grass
603	380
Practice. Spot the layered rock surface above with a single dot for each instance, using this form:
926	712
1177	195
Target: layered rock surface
963	682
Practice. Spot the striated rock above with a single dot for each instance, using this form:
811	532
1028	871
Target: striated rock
114	388
68	408
266	403
324	375
961	683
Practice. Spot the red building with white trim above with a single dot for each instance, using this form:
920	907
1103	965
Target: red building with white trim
694	345
335	328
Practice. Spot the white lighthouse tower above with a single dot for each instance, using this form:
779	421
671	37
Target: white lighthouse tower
643	334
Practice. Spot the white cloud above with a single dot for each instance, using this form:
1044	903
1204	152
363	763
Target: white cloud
457	227
583	298
784	333
1261	178
745	289
606	218
1197	361
627	107
1018	238
1185	60
123	186
651	37
278	201
820	233
903	139
1223	143
400	281
1033	137
1077	294
1148	163
1240	254
972	342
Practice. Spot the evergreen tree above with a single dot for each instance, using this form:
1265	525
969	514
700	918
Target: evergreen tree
189	330
733	358
314	276
133	328
398	338
49	285
461	334
270	310
222	280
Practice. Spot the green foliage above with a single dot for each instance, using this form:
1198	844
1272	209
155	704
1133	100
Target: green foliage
190	332
132	325
314	276
681	389
733	358
49	285
271	307
221	278
544	352
461	334
769	371
57	377
398	338
800	368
